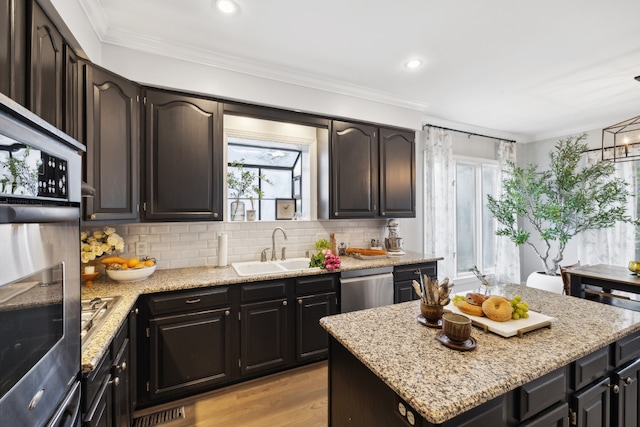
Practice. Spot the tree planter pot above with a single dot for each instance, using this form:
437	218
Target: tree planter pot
539	280
251	215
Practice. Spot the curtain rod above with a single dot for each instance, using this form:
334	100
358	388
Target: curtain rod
469	133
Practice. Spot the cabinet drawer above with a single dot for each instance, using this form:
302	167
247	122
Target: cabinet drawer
263	291
542	393
408	272
194	300
312	285
556	417
589	368
625	349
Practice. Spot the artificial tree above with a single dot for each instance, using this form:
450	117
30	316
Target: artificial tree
560	202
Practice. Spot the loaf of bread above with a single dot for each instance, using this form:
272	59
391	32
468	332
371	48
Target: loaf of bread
366	252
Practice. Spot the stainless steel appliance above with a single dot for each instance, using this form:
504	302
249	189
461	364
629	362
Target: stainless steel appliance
40	177
393	242
368	288
94	312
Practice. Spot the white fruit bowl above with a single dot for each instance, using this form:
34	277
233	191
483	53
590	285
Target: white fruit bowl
132	274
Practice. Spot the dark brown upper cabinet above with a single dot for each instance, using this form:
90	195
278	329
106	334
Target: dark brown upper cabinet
45	77
13	49
372	172
184	157
354	161
74	116
113	145
397	174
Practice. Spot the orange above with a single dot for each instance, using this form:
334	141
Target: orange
124	266
149	263
133	261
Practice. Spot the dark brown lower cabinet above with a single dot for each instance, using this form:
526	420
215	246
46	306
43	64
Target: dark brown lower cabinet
312	341
188	352
404	275
264	336
626	403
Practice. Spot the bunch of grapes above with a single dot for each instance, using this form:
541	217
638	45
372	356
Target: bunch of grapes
331	261
457	298
519	308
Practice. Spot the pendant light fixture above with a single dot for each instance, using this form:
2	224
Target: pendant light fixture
621	142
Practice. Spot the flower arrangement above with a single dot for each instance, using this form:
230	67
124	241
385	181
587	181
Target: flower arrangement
94	245
324	258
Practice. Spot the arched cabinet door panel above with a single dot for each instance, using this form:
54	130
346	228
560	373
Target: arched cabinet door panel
184	170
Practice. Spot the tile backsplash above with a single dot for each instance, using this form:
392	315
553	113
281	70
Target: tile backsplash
195	244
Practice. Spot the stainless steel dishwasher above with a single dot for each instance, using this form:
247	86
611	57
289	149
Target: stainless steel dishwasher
368	288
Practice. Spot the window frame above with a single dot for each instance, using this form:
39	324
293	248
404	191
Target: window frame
479	164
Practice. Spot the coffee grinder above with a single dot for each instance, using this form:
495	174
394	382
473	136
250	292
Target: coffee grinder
393	243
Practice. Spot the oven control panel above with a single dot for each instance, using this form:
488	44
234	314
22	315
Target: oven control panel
52	177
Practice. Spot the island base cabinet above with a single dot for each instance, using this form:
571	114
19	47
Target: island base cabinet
626	402
591	406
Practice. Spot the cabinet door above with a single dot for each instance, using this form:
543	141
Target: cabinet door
45	87
354	171
397	174
590	407
263	342
73	120
121	377
626	403
113	145
13	49
403	292
312	341
99	415
183	157
189	352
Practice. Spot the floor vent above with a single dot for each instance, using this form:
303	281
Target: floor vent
159	417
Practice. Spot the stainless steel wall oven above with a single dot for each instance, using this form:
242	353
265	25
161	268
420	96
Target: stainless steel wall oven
40	179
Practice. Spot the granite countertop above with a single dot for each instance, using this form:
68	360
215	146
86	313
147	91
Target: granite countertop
441	383
195	277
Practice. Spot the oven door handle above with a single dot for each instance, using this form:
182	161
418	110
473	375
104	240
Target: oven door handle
21	214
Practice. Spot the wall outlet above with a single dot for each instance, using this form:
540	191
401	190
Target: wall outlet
142	249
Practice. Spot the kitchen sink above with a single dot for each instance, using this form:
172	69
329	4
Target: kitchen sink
254	268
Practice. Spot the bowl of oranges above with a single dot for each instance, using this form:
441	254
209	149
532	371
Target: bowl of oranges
129	269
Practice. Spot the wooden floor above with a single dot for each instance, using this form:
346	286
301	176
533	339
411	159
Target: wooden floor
297	397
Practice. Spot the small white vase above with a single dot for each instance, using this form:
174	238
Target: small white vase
539	280
251	215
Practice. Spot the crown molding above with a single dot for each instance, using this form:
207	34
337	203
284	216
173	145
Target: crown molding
129	40
94	11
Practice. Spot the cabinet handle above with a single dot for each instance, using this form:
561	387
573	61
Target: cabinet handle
614	388
92	216
193	301
115	381
626	380
122	366
336	214
284	302
300	301
227	312
215	214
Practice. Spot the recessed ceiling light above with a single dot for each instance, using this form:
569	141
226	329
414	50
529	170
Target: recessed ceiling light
227	7
412	64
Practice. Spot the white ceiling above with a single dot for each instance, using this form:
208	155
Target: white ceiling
534	69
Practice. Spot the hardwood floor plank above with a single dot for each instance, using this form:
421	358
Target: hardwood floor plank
295	398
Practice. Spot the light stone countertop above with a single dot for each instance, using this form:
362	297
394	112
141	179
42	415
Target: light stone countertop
190	278
441	383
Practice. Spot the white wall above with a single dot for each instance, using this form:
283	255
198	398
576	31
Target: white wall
538	153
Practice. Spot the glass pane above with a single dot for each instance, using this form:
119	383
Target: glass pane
465	216
268	211
280	184
489	176
261	156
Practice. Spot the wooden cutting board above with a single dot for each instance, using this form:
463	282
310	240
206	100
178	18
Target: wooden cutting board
509	328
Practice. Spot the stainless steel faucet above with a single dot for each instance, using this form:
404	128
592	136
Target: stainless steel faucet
273	242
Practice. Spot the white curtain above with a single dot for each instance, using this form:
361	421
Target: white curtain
507	253
439	211
614	245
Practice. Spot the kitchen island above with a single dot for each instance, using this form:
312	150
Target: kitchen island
383	363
